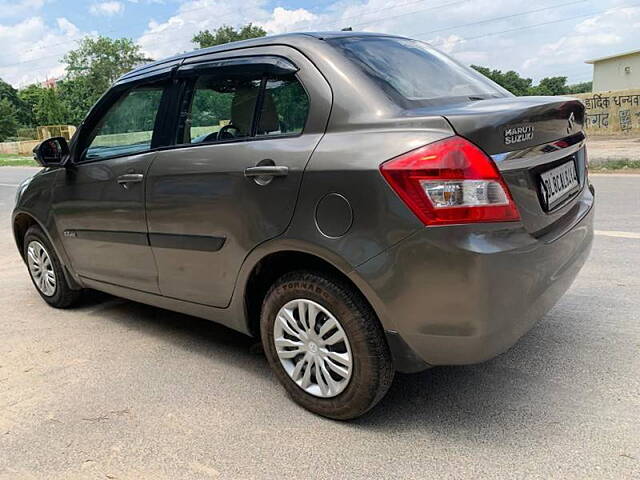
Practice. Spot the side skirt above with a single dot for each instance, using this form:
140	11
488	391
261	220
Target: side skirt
224	316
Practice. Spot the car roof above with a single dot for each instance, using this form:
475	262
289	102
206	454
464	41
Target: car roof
286	38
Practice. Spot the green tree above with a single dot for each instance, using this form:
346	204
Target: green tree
50	109
78	96
510	80
584	87
521	86
226	34
20	109
46	105
550	86
30	96
8	124
92	68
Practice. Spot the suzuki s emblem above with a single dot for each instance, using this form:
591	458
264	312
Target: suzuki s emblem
570	122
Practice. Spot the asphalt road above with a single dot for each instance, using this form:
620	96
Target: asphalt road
116	389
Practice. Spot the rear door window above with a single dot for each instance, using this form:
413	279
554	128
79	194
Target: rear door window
231	107
217	108
413	73
284	107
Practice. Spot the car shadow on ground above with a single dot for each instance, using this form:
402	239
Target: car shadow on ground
504	391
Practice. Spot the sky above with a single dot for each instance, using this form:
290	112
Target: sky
535	38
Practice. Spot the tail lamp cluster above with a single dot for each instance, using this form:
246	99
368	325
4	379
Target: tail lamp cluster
451	182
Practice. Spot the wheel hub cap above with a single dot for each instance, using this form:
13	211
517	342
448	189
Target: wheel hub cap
41	268
313	348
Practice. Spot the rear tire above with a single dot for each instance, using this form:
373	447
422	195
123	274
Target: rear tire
363	372
45	270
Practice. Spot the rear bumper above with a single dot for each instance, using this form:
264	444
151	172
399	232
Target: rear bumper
464	294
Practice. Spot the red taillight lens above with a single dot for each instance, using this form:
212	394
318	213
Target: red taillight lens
451	181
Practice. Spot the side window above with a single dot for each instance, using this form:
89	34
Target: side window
127	127
285	107
218	108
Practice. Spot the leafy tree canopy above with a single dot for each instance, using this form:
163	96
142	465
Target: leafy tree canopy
521	86
584	87
93	67
551	86
226	34
8	124
510	80
30	96
51	109
20	109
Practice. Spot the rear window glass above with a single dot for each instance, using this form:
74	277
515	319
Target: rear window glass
414	73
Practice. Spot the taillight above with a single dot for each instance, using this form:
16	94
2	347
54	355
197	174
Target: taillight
451	181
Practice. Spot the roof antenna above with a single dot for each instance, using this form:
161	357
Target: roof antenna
346	29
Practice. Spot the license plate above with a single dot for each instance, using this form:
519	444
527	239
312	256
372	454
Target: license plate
557	183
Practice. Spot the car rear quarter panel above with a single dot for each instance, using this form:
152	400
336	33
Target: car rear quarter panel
465	293
349	164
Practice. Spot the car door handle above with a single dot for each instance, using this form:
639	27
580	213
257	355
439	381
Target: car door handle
128	178
266	171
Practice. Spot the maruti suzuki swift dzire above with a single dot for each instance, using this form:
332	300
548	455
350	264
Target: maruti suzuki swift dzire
361	202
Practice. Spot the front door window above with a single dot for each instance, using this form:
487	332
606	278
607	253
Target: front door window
127	127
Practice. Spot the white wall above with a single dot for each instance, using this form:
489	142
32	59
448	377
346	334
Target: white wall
610	74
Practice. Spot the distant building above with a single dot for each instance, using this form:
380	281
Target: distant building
50	83
616	72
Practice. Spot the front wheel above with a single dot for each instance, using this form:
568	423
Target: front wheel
45	270
325	344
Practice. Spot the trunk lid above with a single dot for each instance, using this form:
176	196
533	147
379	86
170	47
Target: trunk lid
533	141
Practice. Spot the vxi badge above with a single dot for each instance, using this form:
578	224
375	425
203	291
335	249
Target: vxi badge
518	134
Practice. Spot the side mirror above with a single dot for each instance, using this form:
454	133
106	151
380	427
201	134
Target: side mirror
51	152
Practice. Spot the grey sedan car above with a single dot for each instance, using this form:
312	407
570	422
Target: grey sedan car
361	202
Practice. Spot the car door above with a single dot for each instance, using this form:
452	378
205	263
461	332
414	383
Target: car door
98	201
247	127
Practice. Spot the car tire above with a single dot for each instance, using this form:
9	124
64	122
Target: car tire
41	258
371	367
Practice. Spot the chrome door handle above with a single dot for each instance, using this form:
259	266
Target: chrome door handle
128	178
266	171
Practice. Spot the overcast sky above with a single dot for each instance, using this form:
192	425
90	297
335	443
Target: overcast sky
535	38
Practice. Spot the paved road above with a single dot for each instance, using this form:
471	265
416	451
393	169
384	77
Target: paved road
116	389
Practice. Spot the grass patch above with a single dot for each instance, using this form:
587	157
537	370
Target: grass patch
16	161
615	165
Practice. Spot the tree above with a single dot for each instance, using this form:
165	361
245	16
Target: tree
78	95
30	96
550	86
510	80
8	124
226	34
521	86
50	109
93	67
584	87
20	109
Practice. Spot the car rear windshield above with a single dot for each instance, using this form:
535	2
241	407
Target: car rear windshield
413	73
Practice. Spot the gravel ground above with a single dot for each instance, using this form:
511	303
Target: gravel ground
116	389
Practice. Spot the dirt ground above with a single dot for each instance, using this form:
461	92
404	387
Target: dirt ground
606	148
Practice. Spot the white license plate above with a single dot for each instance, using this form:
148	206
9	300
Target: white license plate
558	182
